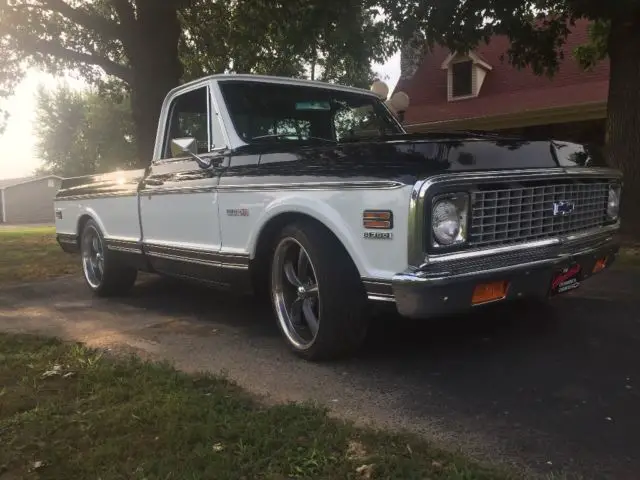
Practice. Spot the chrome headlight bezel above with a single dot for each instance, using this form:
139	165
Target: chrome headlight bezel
613	201
457	207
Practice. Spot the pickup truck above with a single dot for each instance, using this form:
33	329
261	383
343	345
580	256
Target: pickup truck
314	195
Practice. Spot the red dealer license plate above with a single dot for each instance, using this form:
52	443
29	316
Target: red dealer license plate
566	280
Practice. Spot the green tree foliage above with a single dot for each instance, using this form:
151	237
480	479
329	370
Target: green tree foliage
84	132
133	41
595	49
537	30
289	38
151	45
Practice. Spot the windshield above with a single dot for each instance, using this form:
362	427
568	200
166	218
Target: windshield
292	113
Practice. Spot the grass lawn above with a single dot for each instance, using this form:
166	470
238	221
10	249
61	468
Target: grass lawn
28	254
67	412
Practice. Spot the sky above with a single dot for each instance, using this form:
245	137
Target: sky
18	143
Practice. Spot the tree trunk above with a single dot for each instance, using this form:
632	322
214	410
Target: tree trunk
623	116
156	69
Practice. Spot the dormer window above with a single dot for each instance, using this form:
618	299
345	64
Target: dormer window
465	75
462	81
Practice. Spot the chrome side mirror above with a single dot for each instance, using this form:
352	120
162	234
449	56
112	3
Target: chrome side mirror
188	146
180	146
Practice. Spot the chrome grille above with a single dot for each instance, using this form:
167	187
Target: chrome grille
513	215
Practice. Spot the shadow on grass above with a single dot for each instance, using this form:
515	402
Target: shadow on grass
70	412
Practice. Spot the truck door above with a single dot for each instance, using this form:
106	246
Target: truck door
178	198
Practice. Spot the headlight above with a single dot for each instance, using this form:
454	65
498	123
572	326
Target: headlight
449	220
613	204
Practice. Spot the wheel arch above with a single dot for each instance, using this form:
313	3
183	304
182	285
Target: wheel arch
85	216
275	218
260	252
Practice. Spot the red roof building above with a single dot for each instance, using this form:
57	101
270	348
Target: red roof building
479	90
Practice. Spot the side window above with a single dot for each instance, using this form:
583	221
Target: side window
355	122
189	117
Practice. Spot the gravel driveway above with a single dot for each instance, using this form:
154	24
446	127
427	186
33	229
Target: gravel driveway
546	389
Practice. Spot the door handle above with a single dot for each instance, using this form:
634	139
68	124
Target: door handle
153	183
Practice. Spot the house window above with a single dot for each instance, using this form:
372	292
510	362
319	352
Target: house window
51	183
462	81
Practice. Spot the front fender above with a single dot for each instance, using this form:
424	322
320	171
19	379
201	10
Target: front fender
321	211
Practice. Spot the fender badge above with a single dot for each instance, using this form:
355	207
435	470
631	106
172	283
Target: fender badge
378	235
238	212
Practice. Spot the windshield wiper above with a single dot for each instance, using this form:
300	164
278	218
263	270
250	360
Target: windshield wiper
284	135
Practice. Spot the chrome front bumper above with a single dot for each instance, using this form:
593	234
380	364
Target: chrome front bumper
447	286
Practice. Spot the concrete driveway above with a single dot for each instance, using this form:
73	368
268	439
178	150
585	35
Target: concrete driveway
546	389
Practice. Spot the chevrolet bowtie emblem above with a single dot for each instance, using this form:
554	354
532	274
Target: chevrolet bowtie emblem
563	208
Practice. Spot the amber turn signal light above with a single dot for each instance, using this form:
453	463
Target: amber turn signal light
378	219
489	292
600	265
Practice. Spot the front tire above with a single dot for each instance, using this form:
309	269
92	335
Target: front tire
102	273
317	294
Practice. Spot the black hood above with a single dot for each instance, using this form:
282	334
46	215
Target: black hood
414	156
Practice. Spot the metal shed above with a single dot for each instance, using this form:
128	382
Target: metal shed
28	200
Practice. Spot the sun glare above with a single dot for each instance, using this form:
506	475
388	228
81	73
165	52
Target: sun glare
18	142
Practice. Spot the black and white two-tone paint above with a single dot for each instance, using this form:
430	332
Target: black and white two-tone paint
238	158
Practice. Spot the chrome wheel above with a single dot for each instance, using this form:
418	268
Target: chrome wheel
296	296
93	257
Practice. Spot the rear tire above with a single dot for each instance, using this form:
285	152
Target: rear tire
102	272
317	293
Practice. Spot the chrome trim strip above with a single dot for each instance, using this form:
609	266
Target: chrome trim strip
365	184
606	230
207	263
233	266
381	298
179	258
486	252
362	185
415	233
415	237
537	173
209	132
412	279
124	245
198	251
95	195
129	240
118	248
176	246
375	281
281	80
176	190
199	257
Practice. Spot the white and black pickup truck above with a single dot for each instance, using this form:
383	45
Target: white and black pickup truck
314	195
